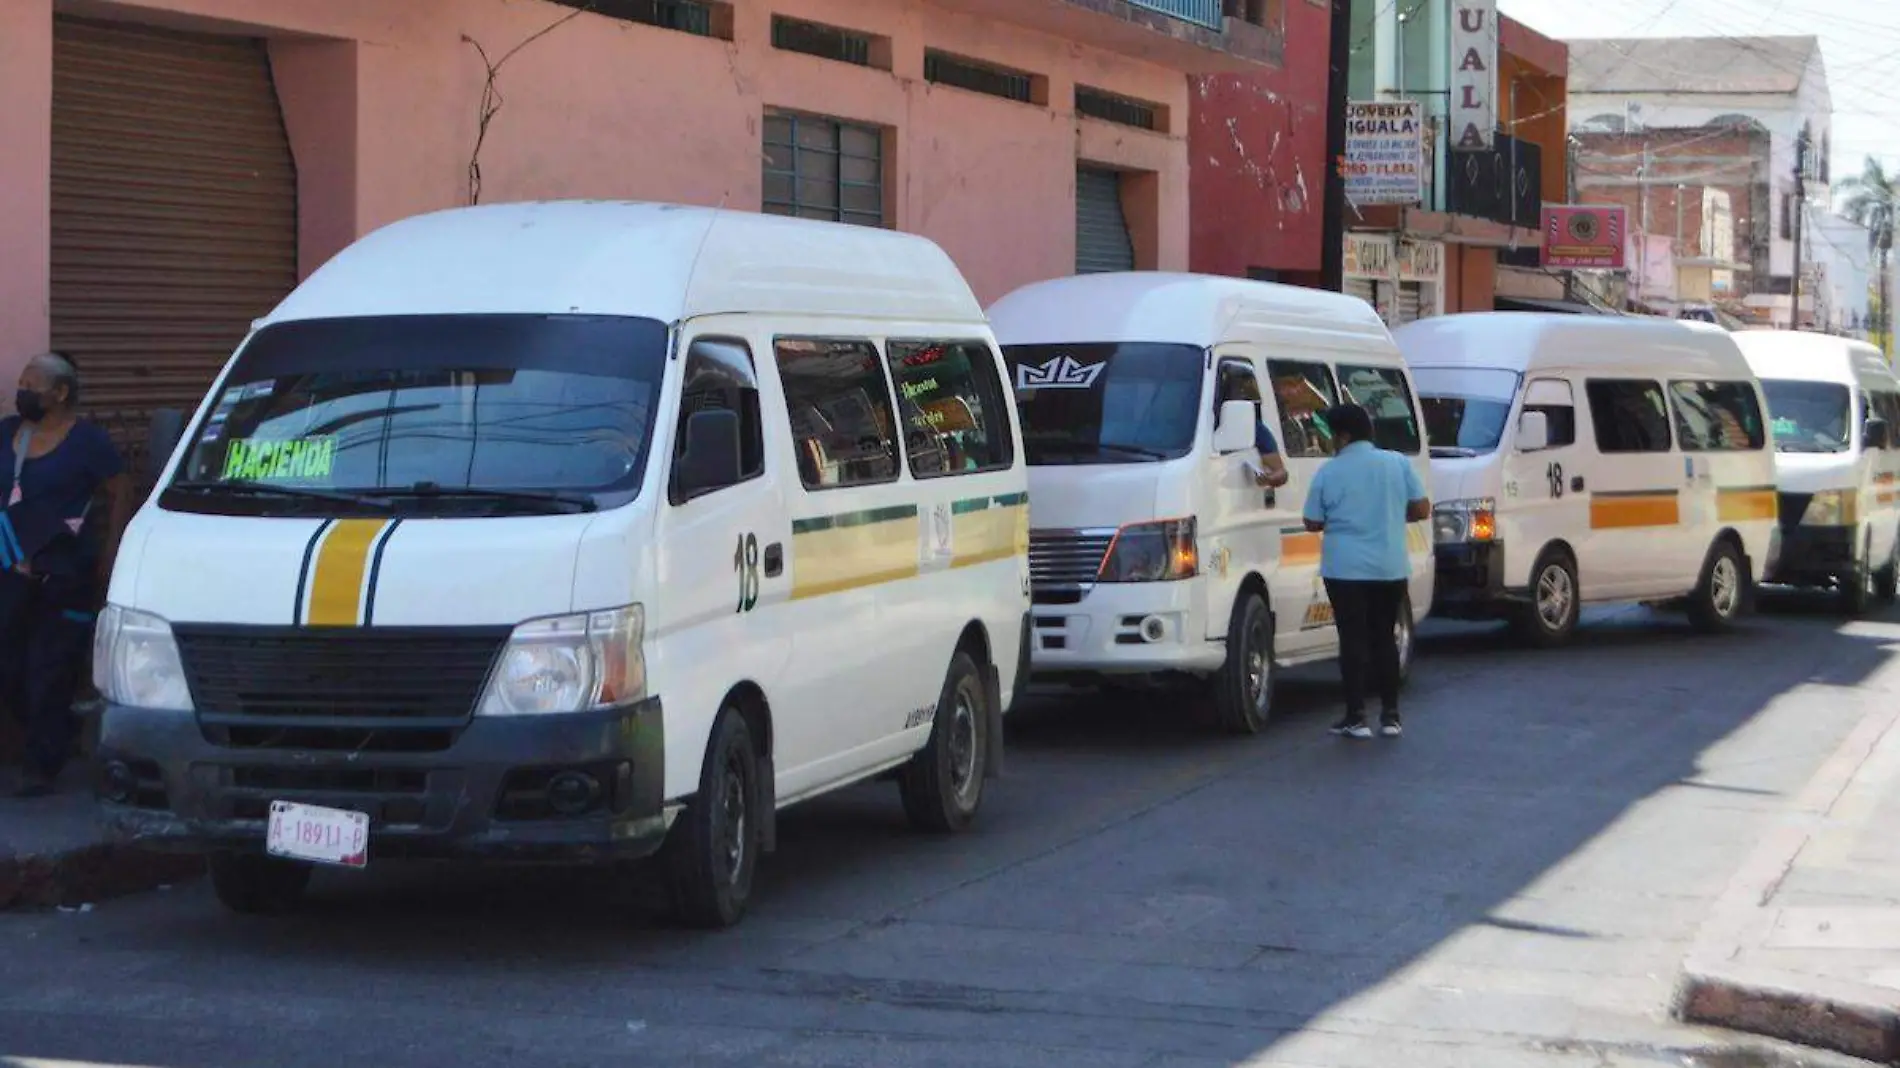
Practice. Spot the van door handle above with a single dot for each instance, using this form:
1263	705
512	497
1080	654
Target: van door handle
774	559
1576	484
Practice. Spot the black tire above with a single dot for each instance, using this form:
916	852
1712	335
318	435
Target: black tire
1550	620
1887	579
254	885
942	786
1406	632
1243	689
1856	592
1722	594
712	851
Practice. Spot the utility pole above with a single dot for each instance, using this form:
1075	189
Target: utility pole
1332	252
1800	204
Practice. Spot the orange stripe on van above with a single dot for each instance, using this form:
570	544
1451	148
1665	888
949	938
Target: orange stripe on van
1742	504
1643	508
1299	547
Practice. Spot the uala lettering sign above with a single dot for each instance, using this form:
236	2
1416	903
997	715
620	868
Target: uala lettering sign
1474	75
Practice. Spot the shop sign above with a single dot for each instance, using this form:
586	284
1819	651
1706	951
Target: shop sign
1585	236
1385	152
1474	75
1422	261
1370	256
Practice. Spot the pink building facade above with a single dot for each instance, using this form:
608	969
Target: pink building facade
172	167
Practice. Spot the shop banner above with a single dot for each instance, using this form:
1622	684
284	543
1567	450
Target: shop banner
1385	152
1585	236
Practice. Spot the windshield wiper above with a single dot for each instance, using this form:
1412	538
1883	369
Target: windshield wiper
574	502
250	488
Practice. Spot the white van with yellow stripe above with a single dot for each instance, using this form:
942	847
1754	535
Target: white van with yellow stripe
1153	552
1582	459
1833	404
573	532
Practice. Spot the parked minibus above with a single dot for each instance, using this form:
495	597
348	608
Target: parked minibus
1153	551
573	532
1832	405
1580	459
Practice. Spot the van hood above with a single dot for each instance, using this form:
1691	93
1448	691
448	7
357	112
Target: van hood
1459	478
353	572
1812	472
1070	496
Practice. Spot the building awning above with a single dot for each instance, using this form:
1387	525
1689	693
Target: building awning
1534	304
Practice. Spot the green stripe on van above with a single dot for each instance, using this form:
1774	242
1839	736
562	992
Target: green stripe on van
865	517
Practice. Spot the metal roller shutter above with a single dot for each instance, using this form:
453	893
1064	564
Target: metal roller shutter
174	211
1361	288
1101	230
1411	299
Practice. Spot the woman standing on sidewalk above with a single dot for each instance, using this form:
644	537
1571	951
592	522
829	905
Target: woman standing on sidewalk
53	564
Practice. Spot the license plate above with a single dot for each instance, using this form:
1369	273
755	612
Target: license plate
317	834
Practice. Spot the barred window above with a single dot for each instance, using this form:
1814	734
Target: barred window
822	168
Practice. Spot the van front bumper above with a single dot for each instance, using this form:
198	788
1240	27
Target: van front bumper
1813	556
1102	633
1469	582
562	789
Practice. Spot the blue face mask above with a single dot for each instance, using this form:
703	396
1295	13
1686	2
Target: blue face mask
29	405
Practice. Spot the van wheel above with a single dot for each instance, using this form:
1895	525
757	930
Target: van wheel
713	849
1405	633
1858	586
1887	579
258	885
942	786
1721	596
1550	620
1243	690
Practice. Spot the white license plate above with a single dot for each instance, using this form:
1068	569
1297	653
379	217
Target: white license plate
318	834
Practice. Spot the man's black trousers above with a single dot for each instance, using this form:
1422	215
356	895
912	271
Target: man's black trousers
1367	614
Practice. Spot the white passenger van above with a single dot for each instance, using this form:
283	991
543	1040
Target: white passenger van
1832	405
1152	550
1582	459
572	532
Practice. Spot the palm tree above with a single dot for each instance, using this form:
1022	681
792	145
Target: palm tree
1873	200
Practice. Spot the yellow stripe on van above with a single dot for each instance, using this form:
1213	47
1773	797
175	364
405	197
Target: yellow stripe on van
987	529
1298	546
851	550
1642	508
1741	504
336	591
1418	537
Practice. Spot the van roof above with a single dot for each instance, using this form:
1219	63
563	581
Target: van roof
1811	357
657	261
1523	341
1170	307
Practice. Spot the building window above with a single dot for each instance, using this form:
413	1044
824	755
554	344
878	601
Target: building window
943	68
1122	110
705	18
820	168
830	42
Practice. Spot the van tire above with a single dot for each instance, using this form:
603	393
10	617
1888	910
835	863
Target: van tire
1545	623
1857	588
712	852
942	786
254	885
1721	595
1243	688
1407	638
1887	579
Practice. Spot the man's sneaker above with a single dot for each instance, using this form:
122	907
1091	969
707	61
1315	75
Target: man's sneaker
1351	726
1391	725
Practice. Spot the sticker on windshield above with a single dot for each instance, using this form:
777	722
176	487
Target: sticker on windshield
253	460
1786	428
1059	373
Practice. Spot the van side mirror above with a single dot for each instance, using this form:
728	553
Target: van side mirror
1533	432
1877	434
710	457
1235	430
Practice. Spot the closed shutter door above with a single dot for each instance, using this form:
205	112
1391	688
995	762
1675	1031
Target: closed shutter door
174	211
1361	288
1409	302
1101	230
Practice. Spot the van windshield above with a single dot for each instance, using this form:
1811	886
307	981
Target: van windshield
1807	416
1465	408
429	414
1107	403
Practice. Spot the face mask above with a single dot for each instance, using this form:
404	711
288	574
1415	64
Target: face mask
29	405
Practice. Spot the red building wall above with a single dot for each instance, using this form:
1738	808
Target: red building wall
1257	152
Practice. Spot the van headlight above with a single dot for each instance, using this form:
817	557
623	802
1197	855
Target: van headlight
1464	522
1162	551
578	663
135	661
1830	508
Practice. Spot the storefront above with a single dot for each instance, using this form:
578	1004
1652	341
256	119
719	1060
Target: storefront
1404	280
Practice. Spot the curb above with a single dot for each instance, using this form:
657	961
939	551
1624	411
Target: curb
89	873
1843	1017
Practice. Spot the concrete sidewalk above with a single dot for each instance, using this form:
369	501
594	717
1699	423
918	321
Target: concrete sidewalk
1805	943
51	852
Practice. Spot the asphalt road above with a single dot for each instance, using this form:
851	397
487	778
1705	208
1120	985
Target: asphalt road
1512	884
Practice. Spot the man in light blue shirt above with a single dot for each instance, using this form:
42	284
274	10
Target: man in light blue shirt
1361	500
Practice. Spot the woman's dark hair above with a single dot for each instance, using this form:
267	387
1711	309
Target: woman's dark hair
61	370
1351	420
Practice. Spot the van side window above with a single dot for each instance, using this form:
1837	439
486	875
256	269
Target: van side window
839	404
1383	392
952	401
1554	398
1717	416
1304	392
720	376
1629	415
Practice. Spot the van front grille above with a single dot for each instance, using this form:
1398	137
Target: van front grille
1064	564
